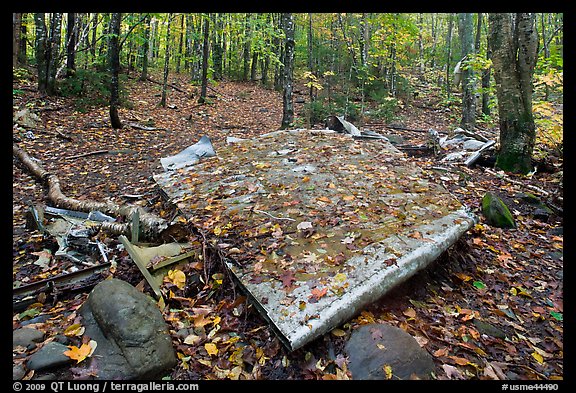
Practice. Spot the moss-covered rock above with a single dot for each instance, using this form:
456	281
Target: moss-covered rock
496	212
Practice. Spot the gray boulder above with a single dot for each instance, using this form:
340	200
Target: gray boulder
372	347
27	337
132	336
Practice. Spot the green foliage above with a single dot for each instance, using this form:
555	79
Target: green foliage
19	74
90	87
386	110
317	111
549	128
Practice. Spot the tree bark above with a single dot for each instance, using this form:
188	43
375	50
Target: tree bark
114	59
205	55
287	103
514	44
217	47
449	56
41	51
16	37
466	28
166	62
145	49
71	37
54	50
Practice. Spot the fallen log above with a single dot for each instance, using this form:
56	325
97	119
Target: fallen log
152	225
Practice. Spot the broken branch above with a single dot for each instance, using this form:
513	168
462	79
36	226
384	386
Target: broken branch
151	224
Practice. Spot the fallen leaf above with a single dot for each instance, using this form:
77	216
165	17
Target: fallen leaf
177	277
317	294
538	357
410	312
78	354
304	225
74	330
452	372
211	348
388	371
441	352
338	332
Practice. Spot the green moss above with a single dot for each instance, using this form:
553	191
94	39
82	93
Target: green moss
496	212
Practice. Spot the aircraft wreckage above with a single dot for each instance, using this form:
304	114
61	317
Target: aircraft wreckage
314	224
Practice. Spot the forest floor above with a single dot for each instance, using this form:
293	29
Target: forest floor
491	307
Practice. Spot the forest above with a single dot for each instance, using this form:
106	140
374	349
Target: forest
100	99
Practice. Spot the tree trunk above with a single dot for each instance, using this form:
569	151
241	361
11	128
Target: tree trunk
514	44
94	29
16	37
466	28
166	62
449	55
180	44
114	58
246	53
205	55
71	37
41	51
22	53
54	50
287	104
145	49
217	49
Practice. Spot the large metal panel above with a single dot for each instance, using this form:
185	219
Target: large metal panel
316	224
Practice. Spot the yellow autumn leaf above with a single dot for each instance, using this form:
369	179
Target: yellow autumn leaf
410	312
388	371
177	277
349	198
338	332
538	357
74	330
211	348
78	354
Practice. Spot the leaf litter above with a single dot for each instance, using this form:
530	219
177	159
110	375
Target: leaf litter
510	280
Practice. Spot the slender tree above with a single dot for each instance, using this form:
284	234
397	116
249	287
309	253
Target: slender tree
71	37
449	55
145	49
466	28
289	44
114	65
166	62
41	51
205	55
514	42
16	38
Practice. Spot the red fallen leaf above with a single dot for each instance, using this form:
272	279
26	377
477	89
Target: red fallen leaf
317	294
288	279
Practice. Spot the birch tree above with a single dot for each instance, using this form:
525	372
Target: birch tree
289	44
514	43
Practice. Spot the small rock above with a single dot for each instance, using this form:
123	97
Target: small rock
488	329
496	212
50	355
18	372
373	347
26	337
